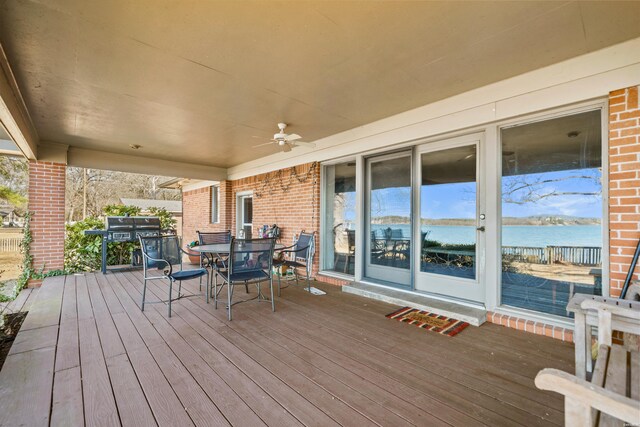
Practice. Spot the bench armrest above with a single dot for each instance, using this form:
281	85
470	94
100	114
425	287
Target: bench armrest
618	310
606	311
588	395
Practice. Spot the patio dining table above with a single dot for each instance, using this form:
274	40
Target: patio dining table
222	248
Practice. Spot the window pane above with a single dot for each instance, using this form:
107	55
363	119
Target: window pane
552	212
340	213
390	212
448	212
214	204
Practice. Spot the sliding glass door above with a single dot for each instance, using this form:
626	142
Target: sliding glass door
388	232
450	222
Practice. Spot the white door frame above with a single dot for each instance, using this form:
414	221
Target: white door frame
392	276
240	196
461	288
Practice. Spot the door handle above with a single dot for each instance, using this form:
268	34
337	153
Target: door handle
481	228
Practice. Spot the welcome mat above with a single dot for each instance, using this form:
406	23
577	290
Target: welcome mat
430	321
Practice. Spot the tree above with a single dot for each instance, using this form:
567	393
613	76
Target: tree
107	187
523	189
13	181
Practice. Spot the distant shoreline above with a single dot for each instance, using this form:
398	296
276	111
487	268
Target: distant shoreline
536	221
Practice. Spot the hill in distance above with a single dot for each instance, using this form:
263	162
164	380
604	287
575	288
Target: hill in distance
539	220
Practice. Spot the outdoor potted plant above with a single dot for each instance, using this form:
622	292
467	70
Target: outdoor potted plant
194	257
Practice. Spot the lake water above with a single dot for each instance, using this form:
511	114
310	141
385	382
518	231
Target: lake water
512	235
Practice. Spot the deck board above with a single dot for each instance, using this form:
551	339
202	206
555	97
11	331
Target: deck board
318	360
67	407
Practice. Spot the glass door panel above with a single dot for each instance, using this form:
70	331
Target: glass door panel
448	210
245	216
449	229
339	239
388	207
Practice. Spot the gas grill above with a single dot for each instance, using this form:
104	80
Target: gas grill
125	229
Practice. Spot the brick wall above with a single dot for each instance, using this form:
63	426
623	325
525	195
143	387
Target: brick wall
624	183
46	202
278	198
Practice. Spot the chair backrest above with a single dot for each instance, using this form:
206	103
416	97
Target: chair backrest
213	237
248	255
160	247
351	240
304	249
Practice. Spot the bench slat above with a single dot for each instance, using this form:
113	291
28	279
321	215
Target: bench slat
615	381
601	366
599	372
635	375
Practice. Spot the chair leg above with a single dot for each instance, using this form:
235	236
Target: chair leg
179	288
246	287
309	281
273	302
170	288
144	293
215	290
279	285
208	286
229	287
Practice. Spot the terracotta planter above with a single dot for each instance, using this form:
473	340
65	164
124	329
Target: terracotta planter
194	257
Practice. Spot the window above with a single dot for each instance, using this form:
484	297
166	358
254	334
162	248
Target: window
552	212
340	214
215	204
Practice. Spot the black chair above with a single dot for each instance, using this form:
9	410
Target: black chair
212	238
350	254
162	253
300	255
250	261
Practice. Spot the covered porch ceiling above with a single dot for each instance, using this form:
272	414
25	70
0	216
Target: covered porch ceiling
194	82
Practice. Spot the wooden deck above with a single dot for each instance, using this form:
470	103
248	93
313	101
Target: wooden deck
22	302
86	354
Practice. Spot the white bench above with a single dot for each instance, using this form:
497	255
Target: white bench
613	395
585	319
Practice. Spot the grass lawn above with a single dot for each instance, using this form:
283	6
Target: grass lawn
10	270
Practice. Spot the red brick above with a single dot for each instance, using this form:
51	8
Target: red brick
47	203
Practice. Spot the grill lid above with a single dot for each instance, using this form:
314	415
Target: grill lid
117	223
132	223
147	222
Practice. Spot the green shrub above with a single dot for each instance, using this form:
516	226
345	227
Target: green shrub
167	222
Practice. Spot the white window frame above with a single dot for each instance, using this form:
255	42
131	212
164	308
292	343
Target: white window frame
215	204
494	302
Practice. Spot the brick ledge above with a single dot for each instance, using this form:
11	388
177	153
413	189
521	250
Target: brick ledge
538	328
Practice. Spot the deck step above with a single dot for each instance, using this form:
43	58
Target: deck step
474	315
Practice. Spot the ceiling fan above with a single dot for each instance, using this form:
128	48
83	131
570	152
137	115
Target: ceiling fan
286	141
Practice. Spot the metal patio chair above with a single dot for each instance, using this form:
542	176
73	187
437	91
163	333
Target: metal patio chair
163	253
300	255
250	261
212	238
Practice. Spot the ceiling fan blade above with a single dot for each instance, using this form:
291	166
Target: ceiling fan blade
305	144
292	137
262	145
286	148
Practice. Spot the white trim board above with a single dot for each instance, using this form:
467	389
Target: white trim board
579	79
474	315
198	185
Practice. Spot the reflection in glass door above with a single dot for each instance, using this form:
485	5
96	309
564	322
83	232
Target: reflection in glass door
449	222
388	208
